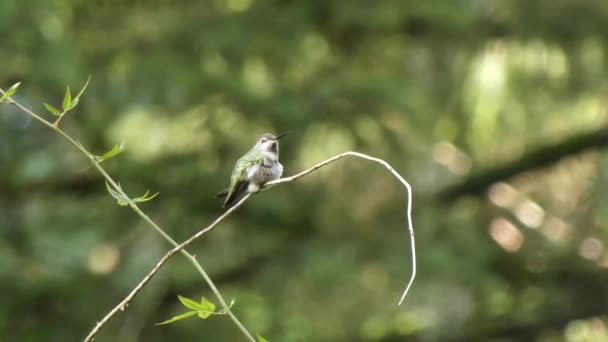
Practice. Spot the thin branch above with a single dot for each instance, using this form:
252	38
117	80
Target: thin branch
410	226
125	302
268	185
139	212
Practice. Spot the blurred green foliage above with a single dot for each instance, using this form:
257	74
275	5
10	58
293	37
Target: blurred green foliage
440	89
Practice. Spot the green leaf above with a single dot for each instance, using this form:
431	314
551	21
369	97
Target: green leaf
190	304
207	305
52	109
204	314
206	308
123	200
77	98
67	99
116	150
120	199
10	92
178	317
260	338
144	198
224	311
83	88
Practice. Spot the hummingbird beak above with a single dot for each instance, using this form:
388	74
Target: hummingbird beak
281	135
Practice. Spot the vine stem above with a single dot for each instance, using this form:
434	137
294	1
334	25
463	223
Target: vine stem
138	211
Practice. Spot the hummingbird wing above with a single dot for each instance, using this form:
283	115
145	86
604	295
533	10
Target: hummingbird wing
238	183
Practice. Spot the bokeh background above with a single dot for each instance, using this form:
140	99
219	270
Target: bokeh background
494	111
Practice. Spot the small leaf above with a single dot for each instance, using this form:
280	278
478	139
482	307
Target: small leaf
204	314
224	311
260	338
144	198
77	98
116	150
178	317
207	305
13	89
83	89
190	304
123	200
10	92
206	308
73	104
120	199
67	99
52	109
112	191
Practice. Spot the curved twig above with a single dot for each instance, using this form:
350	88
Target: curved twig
410	226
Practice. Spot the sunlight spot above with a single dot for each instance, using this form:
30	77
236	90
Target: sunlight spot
485	91
530	213
451	157
554	229
591	248
103	259
593	329
502	195
490	72
506	235
150	133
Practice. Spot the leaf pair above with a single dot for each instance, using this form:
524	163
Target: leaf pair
123	200
68	102
204	309
10	92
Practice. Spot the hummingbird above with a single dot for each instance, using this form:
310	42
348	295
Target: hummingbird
255	168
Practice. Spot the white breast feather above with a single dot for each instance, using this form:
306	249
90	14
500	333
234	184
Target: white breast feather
253	187
252	170
280	170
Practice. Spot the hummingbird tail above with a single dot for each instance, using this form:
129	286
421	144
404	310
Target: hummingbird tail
222	193
236	195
